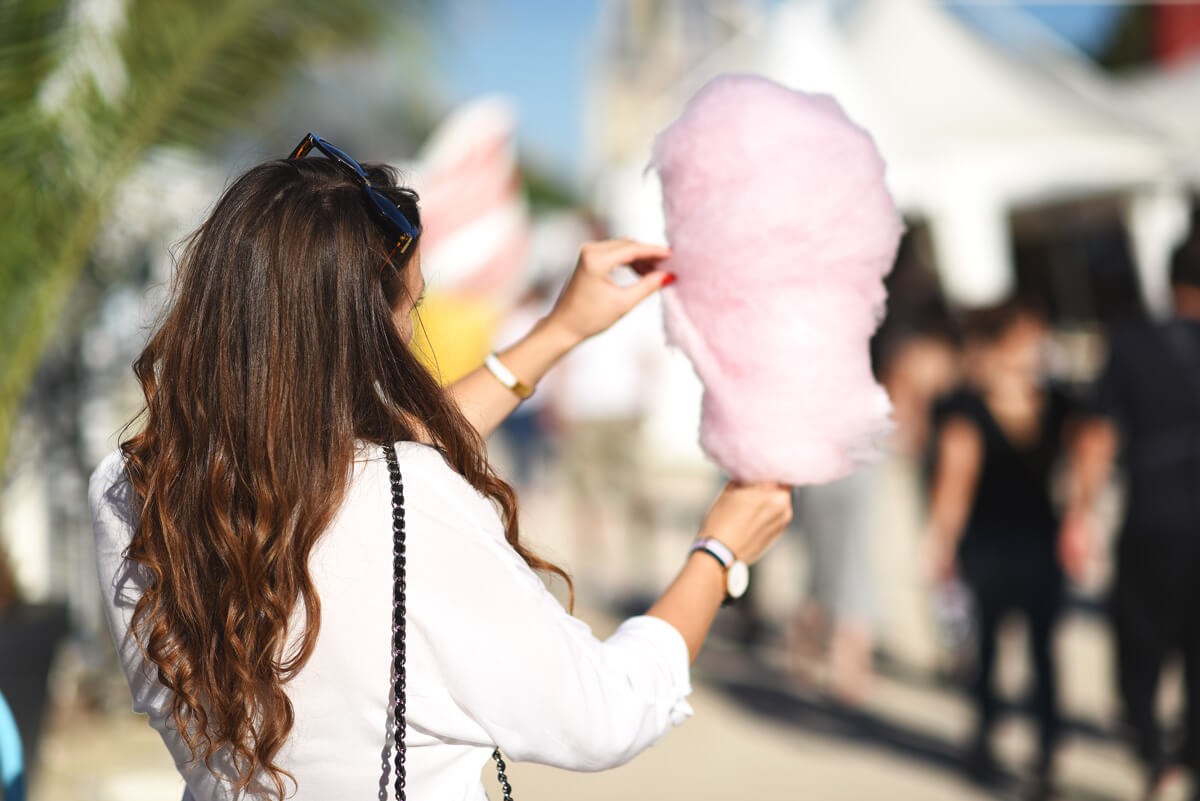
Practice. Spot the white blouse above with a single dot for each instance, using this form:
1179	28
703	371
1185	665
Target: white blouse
493	659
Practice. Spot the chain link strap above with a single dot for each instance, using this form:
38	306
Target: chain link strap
504	785
399	588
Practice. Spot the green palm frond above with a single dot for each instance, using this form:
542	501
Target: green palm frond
82	100
30	33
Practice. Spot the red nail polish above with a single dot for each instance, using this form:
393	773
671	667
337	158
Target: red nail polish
670	279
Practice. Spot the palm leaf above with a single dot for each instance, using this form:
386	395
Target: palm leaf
169	72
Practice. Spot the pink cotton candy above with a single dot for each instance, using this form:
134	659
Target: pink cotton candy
782	231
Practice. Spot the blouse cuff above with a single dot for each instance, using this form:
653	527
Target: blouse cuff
667	643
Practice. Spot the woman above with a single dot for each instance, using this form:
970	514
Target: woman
999	440
244	533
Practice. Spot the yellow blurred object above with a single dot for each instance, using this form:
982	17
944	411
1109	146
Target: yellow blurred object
454	333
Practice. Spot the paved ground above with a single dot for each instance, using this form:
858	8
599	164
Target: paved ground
755	735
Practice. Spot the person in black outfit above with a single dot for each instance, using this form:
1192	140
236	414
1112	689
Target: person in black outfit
999	439
1149	396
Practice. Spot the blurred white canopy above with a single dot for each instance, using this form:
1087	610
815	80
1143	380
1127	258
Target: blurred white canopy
970	130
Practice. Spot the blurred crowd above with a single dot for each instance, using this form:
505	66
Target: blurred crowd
1011	488
1027	477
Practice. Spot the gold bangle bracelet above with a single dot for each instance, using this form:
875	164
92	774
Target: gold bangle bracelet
506	377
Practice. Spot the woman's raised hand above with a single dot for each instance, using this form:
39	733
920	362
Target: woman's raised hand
748	518
591	301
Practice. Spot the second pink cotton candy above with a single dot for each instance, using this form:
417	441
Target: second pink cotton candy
782	231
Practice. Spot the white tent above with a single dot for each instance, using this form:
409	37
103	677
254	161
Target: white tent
969	131
1169	102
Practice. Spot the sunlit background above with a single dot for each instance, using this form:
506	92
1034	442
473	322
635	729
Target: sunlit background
1051	150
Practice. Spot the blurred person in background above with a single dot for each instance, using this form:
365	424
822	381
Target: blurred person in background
918	371
916	367
245	532
863	533
993	523
523	432
599	398
8	585
837	622
1149	402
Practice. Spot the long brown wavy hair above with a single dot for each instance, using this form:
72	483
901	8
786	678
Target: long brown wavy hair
277	358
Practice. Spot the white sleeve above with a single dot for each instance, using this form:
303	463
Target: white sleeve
537	682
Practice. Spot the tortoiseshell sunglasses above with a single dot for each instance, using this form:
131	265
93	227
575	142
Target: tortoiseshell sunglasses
385	209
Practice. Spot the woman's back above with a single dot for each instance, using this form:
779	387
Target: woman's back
244	530
486	643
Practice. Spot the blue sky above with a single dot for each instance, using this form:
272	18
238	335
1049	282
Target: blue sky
538	53
1085	24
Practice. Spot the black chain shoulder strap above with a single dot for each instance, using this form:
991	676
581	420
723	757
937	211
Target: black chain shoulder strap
399	564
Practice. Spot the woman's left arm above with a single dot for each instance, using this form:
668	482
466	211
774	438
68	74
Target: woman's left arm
960	450
590	303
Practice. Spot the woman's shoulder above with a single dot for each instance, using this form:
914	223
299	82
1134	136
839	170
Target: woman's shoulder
110	495
114	519
421	465
961	401
452	529
108	473
1062	405
431	485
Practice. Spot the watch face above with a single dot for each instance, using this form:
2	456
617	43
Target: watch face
737	580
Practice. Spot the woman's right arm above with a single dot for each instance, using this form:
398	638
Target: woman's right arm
534	680
959	461
1092	452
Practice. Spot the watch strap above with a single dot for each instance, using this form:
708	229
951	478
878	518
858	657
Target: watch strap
717	548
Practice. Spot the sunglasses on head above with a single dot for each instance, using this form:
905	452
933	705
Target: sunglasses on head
385	210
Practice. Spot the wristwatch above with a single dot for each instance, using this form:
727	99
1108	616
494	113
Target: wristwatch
737	574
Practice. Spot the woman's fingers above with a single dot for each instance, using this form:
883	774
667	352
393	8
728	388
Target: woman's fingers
642	257
647	285
604	257
646	266
591	301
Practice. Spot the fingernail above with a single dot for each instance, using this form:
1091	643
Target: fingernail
669	279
